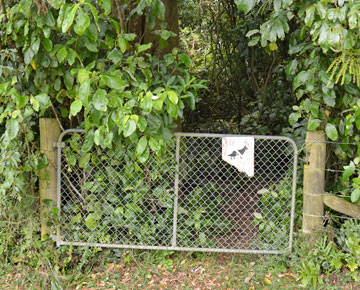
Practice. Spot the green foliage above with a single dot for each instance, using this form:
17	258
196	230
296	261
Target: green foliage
124	199
322	40
273	218
72	61
248	90
329	256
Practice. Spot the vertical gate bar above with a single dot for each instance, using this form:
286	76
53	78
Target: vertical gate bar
58	188
177	167
292	216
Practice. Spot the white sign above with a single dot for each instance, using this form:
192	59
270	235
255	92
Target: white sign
239	152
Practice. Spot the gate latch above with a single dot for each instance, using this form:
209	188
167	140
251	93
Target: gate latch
58	144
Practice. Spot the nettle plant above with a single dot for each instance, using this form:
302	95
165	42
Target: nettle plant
323	39
74	60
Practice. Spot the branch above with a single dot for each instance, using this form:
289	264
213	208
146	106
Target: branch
266	85
41	7
3	9
120	16
252	70
56	116
74	188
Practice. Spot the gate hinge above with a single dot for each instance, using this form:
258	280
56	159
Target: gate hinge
58	144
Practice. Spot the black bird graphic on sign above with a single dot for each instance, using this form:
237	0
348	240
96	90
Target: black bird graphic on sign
233	154
242	151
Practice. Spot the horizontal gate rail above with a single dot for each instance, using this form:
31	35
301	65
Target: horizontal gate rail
189	200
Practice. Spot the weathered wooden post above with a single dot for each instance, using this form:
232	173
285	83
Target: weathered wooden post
49	133
314	182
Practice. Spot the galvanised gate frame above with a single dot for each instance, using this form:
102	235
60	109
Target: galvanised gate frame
213	207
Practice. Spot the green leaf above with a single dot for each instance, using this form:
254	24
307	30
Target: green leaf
142	124
153	121
173	97
129	127
348	171
252	32
68	80
12	128
71	159
90	222
96	16
144	156
28	55
154	145
115	56
291	68
254	41
301	79
146	104
141	146
277	5
106	5
35	103
100	100
56	3
44	101
61	54
144	47
158	8
330	99
108	139
91	44
84	91
84	160
245	5
355	195
172	109
185	59
69	19
129	36
123	44
47	44
331	131
97	137
82	22
113	82
88	142
82	75
75	108
71	56
293	118
310	14
313	124
257	215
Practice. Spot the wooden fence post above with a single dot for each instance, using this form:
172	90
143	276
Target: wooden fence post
49	133
314	182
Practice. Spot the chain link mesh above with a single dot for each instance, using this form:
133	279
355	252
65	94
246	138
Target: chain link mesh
202	203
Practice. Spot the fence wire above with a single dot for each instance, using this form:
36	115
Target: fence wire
188	200
335	222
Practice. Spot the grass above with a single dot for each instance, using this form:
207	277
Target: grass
165	270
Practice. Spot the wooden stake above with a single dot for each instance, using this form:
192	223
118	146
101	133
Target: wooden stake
314	182
342	206
49	133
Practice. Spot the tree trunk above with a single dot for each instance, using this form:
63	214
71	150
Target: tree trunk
172	21
138	26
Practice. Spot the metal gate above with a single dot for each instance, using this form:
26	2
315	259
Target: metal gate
189	200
